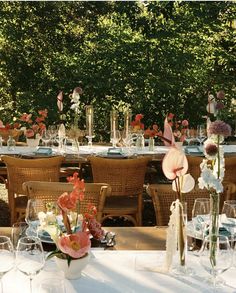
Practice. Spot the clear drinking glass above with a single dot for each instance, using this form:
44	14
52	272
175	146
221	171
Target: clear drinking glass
7	257
223	262
201	133
228	218
46	137
30	258
18	231
34	206
200	213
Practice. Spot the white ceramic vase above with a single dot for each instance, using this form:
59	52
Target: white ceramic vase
33	142
73	271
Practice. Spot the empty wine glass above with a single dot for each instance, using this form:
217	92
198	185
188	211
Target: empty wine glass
34	206
189	136
200	212
46	137
201	133
7	258
222	261
18	231
228	217
30	258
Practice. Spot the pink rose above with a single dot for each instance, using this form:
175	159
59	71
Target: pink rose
75	245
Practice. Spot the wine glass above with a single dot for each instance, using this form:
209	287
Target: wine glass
218	264
229	214
201	133
46	137
7	258
188	136
30	258
18	231
34	206
201	208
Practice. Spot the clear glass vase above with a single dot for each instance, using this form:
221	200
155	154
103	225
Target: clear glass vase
214	225
151	144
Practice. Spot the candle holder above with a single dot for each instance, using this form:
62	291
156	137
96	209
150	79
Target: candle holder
89	124
114	127
127	124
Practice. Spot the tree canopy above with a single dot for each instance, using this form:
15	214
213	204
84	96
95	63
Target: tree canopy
158	57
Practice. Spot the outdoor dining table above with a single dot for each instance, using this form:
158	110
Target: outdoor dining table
130	266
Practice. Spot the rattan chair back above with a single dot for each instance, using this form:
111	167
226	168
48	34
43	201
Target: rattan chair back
22	170
95	194
126	178
163	196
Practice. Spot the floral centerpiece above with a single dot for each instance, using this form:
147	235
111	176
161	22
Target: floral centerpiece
152	131
179	127
175	167
33	126
213	166
71	234
212	174
10	129
137	124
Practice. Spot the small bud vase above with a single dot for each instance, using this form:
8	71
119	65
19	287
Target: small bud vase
151	144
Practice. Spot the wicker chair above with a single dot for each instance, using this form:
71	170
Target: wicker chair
21	170
194	166
95	193
162	197
126	178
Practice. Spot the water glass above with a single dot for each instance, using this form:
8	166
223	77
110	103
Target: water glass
201	133
30	258
34	206
229	211
18	231
7	257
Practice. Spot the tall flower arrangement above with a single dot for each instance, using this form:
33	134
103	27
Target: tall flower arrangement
213	165
212	175
175	167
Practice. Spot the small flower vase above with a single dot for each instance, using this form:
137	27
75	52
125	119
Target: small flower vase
74	270
214	225
179	266
151	144
32	142
140	142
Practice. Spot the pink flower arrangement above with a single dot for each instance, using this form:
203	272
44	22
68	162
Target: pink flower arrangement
153	132
179	127
75	242
34	127
137	124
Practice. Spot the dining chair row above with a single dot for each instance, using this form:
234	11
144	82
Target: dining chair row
123	179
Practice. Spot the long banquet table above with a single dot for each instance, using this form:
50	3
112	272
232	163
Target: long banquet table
129	270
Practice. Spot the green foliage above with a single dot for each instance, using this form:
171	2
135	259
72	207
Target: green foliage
159	57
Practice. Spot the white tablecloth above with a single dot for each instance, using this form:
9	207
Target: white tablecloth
122	271
85	150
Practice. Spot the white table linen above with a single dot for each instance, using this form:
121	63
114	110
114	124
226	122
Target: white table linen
122	271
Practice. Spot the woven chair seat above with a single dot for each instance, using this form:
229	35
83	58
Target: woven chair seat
126	178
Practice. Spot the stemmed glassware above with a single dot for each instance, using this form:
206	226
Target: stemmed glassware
34	206
223	259
30	257
201	133
115	137
188	137
7	257
229	210
46	137
201	209
18	231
